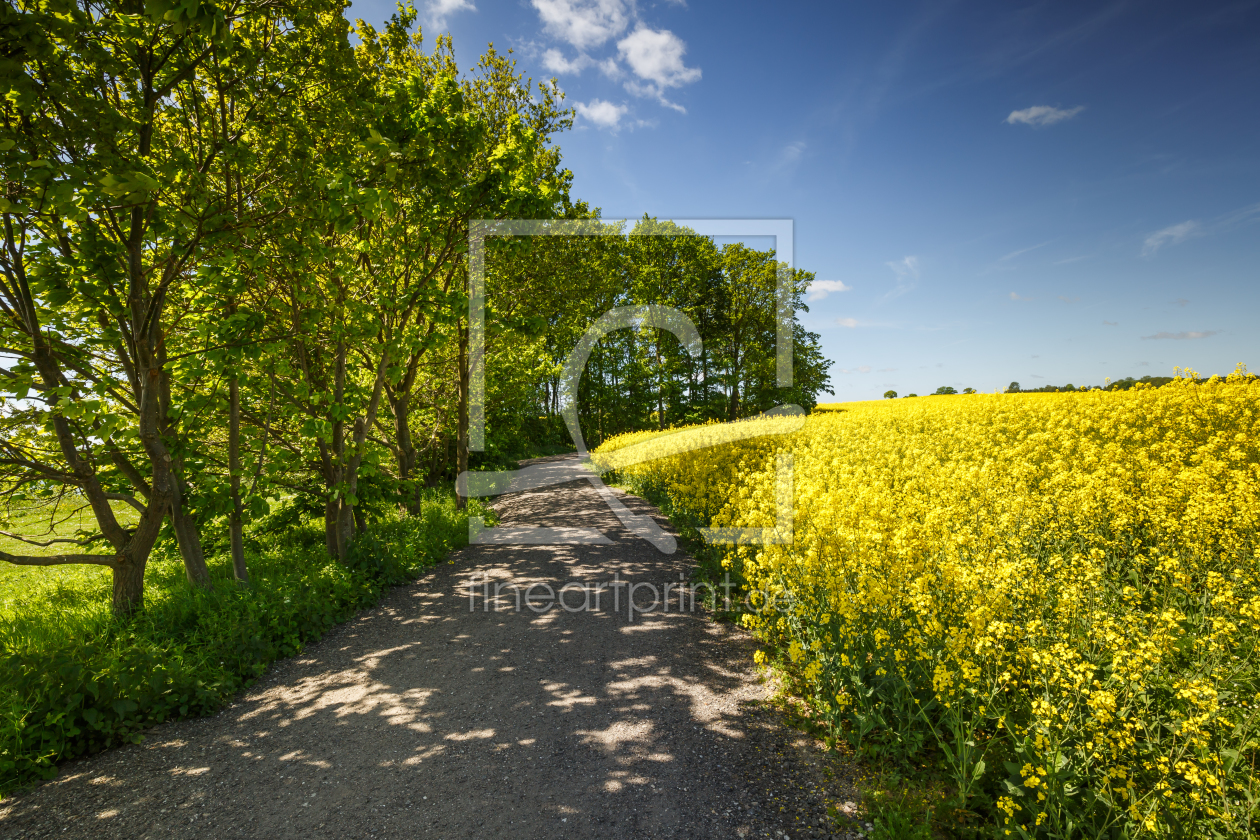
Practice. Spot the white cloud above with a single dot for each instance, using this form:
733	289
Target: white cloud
610	68
906	267
819	289
653	92
907	271
1180	336
1042	115
789	155
437	11
1111	324
847	322
583	23
603	114
555	61
1015	296
1171	235
657	57
1225	223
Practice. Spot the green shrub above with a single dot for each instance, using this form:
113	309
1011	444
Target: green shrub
74	680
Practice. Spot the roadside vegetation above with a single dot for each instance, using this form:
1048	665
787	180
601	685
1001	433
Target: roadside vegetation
1042	610
236	355
75	678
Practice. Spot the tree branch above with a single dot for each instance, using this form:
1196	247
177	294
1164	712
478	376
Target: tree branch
131	500
53	541
61	560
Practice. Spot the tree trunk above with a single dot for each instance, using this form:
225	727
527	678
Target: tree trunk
188	537
406	450
345	526
660	383
461	446
332	512
236	519
129	585
351	518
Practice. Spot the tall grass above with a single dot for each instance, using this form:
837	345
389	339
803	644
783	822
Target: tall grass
74	679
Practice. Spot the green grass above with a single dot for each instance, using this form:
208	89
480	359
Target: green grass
74	679
42	522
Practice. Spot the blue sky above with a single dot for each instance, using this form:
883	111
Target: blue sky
1044	192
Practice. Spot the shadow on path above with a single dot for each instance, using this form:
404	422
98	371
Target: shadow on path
423	718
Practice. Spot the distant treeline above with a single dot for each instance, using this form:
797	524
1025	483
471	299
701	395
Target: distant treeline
1119	385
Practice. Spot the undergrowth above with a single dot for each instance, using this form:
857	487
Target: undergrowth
75	680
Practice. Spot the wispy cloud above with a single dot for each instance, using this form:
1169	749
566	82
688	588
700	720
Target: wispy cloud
862	369
790	154
1181	302
610	68
1017	296
555	61
847	322
1180	336
819	289
1066	299
906	270
1013	254
1180	232
437	11
603	114
1111	323
1043	115
1171	235
584	24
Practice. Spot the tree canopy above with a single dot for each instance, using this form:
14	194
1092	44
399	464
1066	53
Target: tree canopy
235	273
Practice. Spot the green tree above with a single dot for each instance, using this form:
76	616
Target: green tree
114	146
890	395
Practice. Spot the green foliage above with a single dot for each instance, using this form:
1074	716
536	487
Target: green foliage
890	395
645	378
898	809
74	679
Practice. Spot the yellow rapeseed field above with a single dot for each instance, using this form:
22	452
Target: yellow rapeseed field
1054	595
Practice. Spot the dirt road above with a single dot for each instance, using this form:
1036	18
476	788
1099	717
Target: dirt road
425	718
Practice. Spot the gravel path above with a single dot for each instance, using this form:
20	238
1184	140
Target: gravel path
421	718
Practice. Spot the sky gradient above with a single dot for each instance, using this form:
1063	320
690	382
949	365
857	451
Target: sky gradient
1045	193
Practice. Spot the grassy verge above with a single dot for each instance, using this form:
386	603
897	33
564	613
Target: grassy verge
75	680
